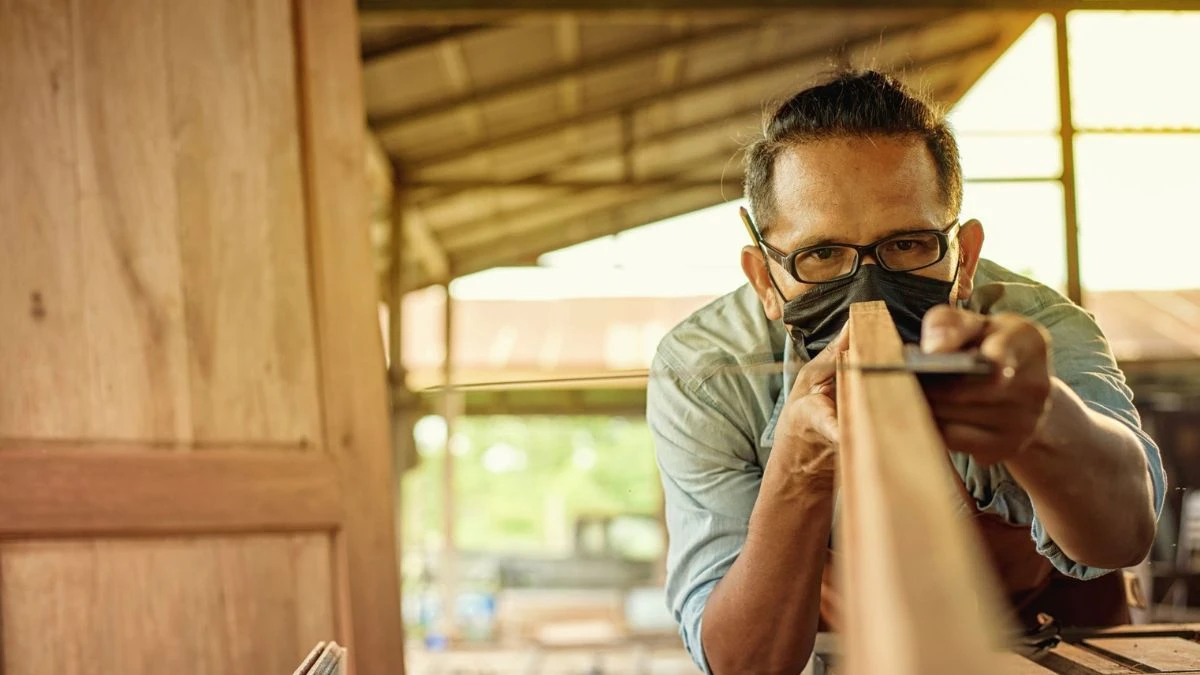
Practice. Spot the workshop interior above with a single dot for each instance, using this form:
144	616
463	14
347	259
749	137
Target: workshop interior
334	331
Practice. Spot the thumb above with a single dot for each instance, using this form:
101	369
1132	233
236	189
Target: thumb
823	366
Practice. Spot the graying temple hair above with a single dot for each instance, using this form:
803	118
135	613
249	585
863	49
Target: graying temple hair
850	104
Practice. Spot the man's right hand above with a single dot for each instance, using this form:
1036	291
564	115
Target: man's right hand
807	430
763	614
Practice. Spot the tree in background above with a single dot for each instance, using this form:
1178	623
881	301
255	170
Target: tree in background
522	481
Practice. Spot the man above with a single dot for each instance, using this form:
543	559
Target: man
855	190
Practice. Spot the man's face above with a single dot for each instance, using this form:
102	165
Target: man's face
856	191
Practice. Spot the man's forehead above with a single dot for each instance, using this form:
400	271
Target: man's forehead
855	187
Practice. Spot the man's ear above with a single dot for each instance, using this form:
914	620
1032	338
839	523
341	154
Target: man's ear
754	265
970	244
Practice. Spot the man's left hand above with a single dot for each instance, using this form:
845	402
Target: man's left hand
991	418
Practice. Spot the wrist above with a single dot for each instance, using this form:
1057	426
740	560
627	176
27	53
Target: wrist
799	469
1049	438
792	502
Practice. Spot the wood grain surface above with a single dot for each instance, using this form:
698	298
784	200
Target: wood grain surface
919	598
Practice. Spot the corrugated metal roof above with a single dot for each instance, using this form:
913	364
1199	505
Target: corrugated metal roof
517	137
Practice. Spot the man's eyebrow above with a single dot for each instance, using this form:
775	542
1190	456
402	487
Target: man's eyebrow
827	241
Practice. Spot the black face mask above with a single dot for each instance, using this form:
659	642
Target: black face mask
815	317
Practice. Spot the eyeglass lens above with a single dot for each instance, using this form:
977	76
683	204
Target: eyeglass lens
899	254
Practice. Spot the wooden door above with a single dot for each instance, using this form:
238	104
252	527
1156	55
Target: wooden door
195	472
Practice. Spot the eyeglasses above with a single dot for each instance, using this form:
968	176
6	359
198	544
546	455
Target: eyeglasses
903	252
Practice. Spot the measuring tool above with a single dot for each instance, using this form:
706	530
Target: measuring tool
924	366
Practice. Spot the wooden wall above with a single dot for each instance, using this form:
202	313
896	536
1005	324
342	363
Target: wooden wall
195	471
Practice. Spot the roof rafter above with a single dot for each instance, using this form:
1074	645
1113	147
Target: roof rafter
388	123
524	220
580	202
785	66
425	245
569	44
438	190
428	37
651	206
532	237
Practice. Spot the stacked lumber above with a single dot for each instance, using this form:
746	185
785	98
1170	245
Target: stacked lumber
326	658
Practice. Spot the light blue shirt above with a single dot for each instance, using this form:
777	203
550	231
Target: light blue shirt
713	426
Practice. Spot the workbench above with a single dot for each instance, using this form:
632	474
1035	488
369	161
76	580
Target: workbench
1150	648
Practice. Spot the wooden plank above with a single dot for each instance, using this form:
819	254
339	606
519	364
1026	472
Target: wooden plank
134	490
134	336
1189	630
353	384
1070	659
918	596
1166	654
251	604
43	390
233	95
1015	664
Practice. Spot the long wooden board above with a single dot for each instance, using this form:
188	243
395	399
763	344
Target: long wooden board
918	598
1164	654
1159	648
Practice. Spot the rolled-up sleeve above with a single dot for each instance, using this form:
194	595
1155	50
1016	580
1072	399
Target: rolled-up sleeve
710	477
1083	360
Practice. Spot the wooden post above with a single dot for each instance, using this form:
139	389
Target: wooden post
918	597
353	380
451	400
1067	144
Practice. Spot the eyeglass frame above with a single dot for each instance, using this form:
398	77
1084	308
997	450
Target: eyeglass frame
788	260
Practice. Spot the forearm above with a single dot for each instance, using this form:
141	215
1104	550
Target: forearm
1088	479
762	615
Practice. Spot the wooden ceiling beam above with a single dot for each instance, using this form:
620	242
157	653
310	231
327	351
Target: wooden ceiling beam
519	222
539	234
519	226
972	68
569	43
429	37
388	123
463	9
454	62
651	206
409	230
783	67
650	201
670	62
417	232
573	203
424	192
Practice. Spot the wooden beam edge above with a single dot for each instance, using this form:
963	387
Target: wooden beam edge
905	609
104	492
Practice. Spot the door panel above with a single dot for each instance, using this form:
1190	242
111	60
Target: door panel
195	463
156	219
252	604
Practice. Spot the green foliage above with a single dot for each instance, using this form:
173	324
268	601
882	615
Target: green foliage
521	481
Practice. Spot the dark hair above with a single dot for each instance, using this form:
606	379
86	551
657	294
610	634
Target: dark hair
851	104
